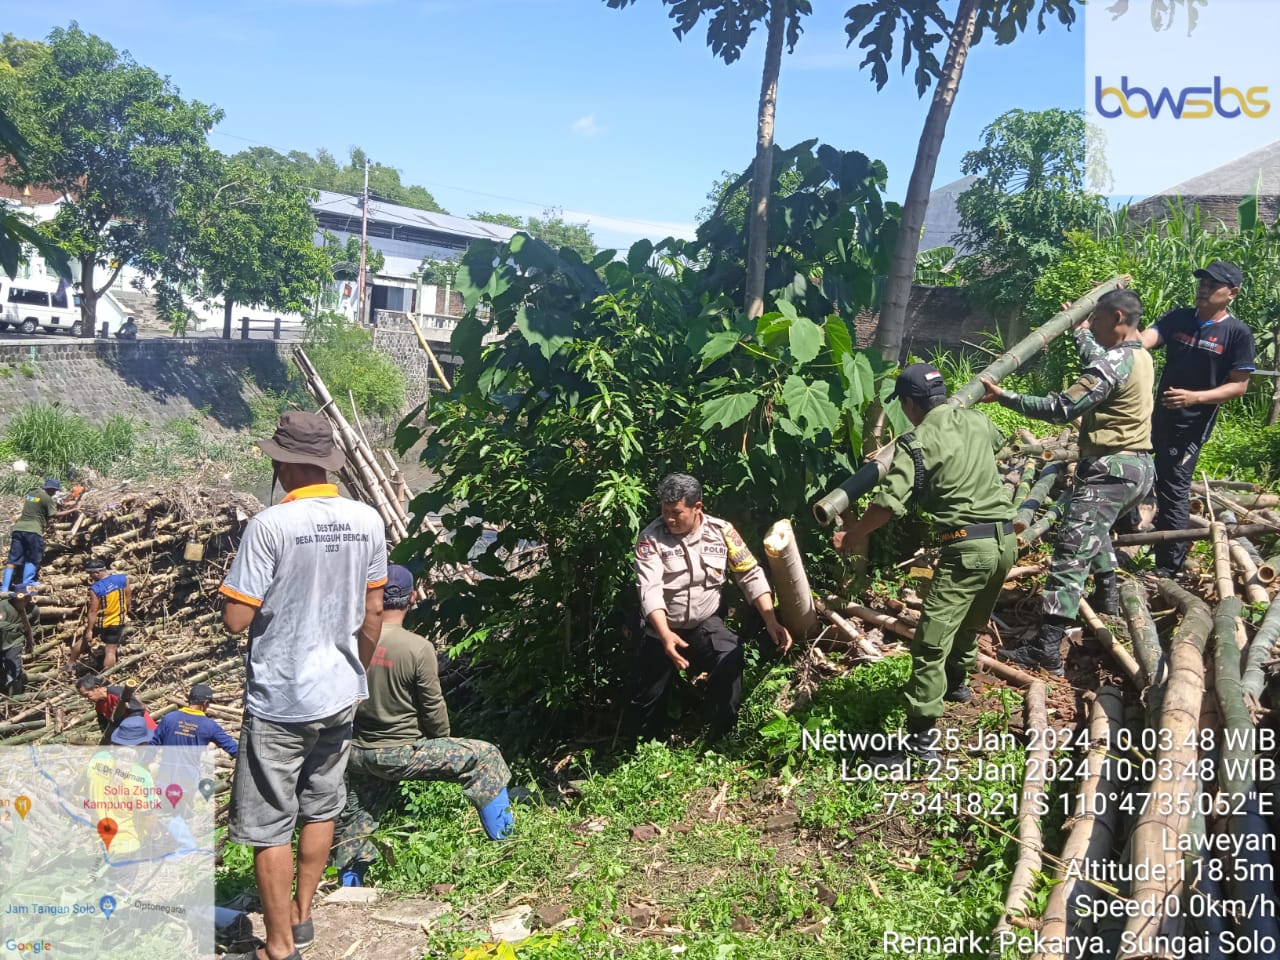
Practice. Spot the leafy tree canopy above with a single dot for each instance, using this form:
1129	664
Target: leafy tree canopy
551	228
115	139
873	25
730	23
1029	194
323	172
248	235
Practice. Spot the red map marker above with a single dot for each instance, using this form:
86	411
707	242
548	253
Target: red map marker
174	793
107	830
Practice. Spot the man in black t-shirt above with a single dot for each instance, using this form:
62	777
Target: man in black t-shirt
1208	359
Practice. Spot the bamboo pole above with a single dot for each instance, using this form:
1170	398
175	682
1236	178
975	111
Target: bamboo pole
860	643
1261	650
1034	499
1142	633
894	625
1052	514
1025	482
790	582
1122	656
1033	343
1030	840
1235	772
1172	789
431	356
1224	583
1091	827
1169	536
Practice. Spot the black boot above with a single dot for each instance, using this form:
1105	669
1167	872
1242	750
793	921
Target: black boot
1106	594
957	688
1044	652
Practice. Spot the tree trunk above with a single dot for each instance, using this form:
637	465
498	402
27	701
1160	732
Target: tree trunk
88	296
893	310
762	171
227	307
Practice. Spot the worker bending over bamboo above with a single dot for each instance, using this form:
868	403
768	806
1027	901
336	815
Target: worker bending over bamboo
1113	400
947	468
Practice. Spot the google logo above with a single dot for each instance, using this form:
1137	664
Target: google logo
1189	103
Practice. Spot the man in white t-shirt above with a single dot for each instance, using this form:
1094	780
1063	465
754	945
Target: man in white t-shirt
307	585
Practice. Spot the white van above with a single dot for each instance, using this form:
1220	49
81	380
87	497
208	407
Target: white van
38	304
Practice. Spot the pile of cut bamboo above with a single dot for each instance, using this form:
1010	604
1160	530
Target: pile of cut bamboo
154	535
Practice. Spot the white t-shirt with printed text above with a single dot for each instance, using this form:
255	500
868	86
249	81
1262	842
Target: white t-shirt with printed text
306	564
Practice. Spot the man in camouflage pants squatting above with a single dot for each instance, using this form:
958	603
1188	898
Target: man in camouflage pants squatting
402	733
1113	399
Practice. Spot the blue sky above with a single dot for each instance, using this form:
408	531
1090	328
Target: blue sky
513	105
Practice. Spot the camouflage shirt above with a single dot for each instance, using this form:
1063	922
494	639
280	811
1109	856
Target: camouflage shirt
1112	397
684	575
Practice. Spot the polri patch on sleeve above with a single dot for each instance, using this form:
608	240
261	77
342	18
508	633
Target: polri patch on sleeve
645	549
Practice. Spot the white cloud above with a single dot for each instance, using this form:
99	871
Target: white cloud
587	126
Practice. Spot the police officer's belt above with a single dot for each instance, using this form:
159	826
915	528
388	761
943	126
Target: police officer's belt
977	531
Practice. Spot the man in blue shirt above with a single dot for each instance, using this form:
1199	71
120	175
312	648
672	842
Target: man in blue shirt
1209	355
190	727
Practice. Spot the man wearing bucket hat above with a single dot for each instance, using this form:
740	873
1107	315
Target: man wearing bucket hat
307	585
1209	355
110	595
26	541
946	467
402	733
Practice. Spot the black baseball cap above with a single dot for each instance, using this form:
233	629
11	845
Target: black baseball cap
920	382
1222	272
200	693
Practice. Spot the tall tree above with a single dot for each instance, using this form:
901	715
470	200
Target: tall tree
1029	194
551	228
117	141
322	172
15	232
924	24
729	27
249	237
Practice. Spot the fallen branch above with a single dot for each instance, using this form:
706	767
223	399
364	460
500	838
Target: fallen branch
1122	656
1170	536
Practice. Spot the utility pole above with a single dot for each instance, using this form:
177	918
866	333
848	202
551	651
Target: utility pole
364	241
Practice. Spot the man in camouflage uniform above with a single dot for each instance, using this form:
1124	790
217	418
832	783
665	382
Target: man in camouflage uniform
1113	399
946	467
402	733
681	561
15	635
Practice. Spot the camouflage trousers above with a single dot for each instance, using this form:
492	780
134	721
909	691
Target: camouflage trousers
374	777
1106	488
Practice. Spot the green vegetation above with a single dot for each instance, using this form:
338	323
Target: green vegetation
55	442
551	228
717	877
323	172
343	354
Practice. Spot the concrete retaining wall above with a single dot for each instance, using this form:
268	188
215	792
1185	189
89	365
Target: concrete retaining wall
151	380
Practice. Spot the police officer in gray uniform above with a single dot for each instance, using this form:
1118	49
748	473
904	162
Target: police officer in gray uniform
682	560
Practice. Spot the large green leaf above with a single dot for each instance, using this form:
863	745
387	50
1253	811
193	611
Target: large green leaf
548	330
859	380
839	340
805	338
809	405
727	410
719	345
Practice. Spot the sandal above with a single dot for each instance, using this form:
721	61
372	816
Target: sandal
254	954
304	934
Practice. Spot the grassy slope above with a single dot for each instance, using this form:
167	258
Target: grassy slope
790	863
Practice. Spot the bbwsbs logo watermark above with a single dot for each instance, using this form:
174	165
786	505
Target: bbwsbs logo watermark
1129	99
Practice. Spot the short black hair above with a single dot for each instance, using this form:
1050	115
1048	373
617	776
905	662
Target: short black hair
676	487
1126	301
90	681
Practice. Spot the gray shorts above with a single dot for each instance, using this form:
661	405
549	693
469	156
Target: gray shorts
288	772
